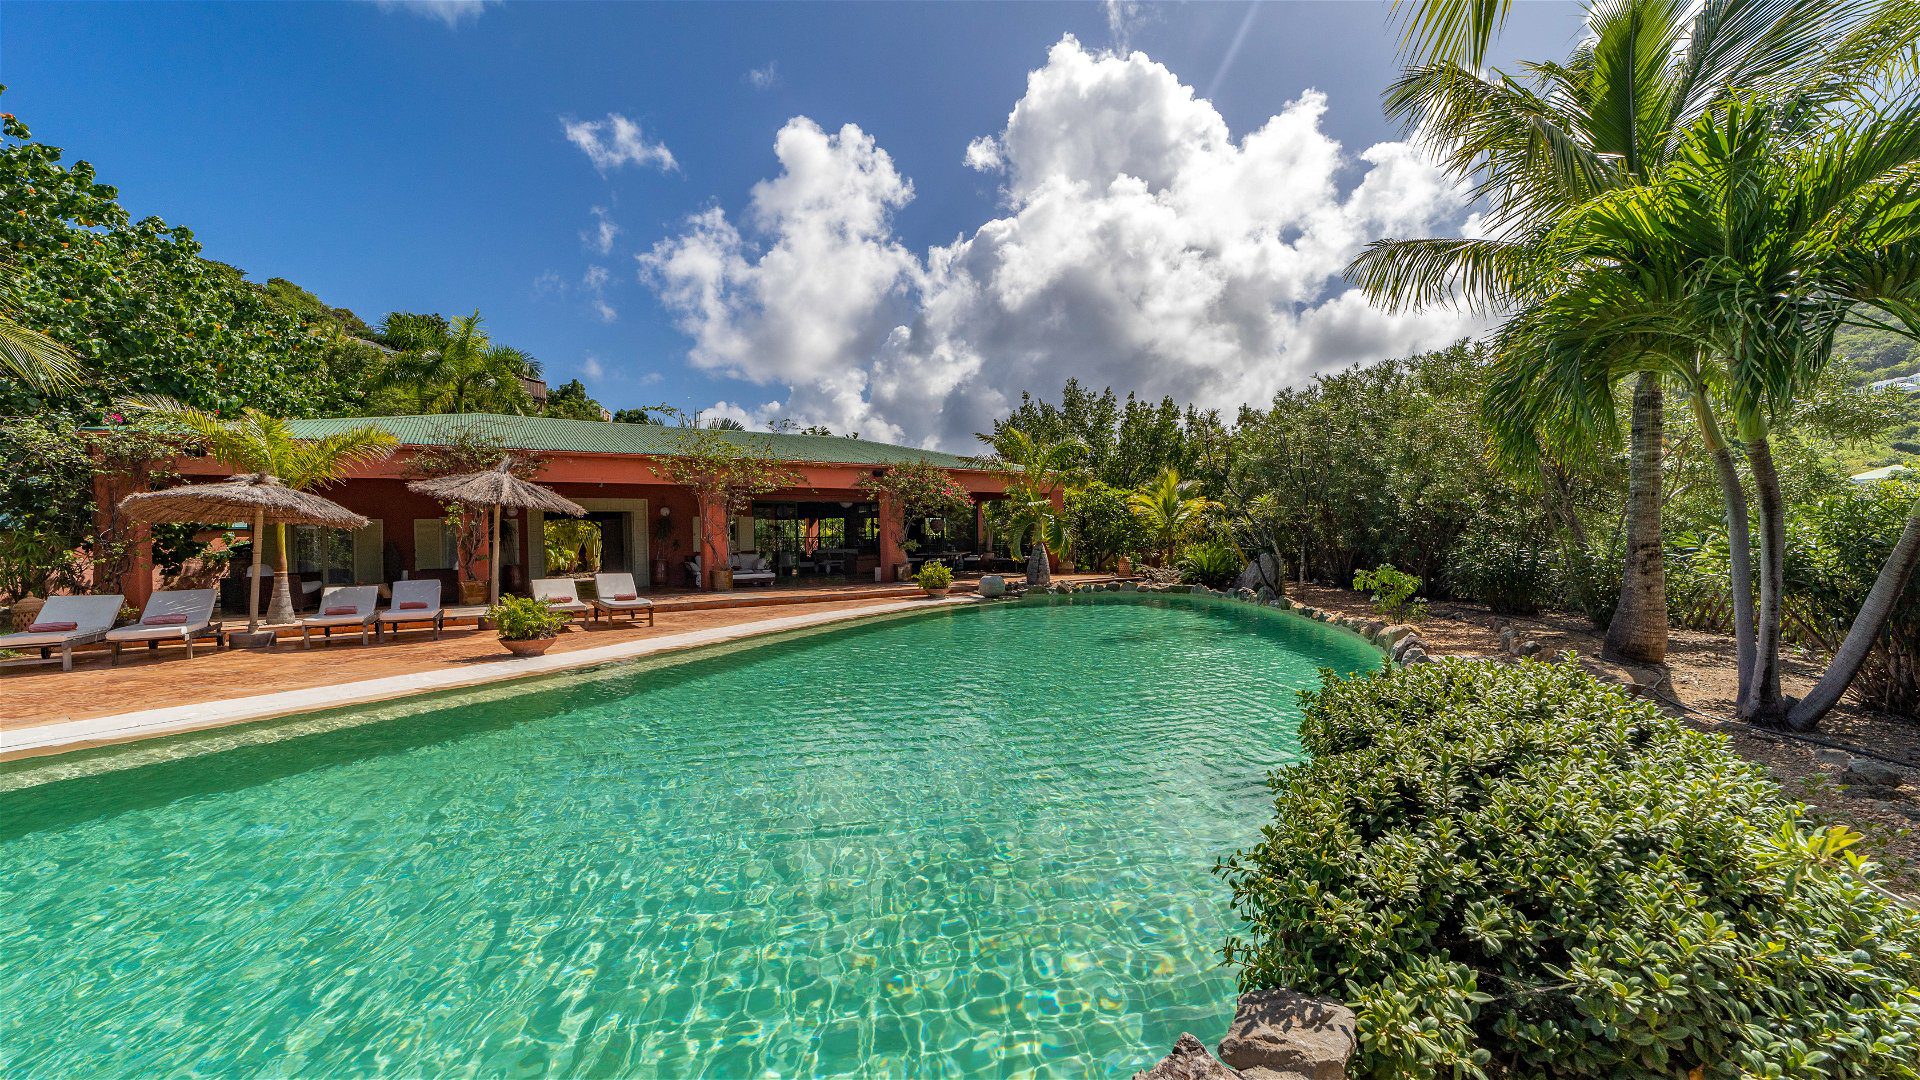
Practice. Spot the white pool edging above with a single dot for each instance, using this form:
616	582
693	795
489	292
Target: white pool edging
42	739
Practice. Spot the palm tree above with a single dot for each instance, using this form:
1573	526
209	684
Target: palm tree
1036	472
1732	270
457	368
30	355
254	442
1167	508
1605	119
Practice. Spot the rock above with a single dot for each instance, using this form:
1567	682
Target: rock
1506	639
1243	593
1373	628
1199	590
1529	648
993	585
1263	594
1391	636
1128	586
1404	645
1832	758
1282	602
1189	1061
1415	655
1872	773
1291	1034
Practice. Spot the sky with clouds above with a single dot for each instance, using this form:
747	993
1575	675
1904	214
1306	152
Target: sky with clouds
888	219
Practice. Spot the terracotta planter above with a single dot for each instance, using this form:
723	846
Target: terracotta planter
903	572
935	594
473	592
721	580
528	646
26	610
1123	566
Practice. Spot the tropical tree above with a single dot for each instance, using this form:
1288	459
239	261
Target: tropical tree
255	442
1733	271
1170	511
725	474
31	355
1603	120
916	489
1037	472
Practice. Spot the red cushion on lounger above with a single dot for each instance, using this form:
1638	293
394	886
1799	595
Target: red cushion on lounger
343	609
559	599
626	596
413	605
52	627
164	620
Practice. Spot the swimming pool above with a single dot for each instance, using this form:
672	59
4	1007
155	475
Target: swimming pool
970	841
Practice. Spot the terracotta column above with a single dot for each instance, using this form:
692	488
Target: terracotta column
717	547
892	527
134	568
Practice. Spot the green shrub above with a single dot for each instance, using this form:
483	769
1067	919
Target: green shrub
1835	549
1102	527
1499	564
521	618
1211	562
1514	871
1392	592
934	574
1590	580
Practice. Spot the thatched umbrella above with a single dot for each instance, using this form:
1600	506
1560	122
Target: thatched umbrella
495	488
258	495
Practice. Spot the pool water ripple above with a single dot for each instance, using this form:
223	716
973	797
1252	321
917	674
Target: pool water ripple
971	842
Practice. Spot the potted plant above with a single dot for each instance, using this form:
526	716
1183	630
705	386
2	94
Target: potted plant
527	626
936	578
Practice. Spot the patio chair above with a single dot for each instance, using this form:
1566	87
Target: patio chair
344	607
560	594
182	615
415	601
751	569
65	623
616	593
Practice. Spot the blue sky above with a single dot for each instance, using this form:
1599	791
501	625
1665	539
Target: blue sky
416	157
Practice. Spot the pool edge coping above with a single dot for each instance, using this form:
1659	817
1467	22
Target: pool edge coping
47	741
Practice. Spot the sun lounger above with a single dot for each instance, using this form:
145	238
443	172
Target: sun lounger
415	601
66	622
351	607
559	593
182	615
616	593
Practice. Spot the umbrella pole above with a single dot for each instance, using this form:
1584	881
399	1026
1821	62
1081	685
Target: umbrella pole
253	579
493	555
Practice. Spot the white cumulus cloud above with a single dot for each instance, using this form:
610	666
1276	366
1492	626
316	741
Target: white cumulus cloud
616	141
764	78
1140	245
450	12
600	237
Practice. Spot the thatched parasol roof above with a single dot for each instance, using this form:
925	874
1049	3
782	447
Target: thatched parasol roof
495	487
242	496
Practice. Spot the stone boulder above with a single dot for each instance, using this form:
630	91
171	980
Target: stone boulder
1289	1035
1189	1061
1872	773
993	586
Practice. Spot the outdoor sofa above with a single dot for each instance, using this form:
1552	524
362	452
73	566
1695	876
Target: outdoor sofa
65	623
182	615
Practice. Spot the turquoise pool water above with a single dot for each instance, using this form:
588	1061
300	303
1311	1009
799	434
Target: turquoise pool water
971	842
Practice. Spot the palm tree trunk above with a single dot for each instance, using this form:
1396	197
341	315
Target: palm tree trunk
1739	541
493	558
1038	572
1887	587
1762	703
259	545
1638	632
280	612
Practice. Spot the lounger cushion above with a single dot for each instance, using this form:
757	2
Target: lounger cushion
559	599
413	605
164	620
52	627
626	596
347	609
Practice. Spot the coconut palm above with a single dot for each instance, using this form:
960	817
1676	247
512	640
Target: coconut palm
1732	270
1605	119
1037	472
254	442
456	368
1169	511
30	355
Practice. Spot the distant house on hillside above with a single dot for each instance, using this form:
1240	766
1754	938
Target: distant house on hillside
1887	472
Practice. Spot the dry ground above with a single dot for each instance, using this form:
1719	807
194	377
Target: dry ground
1704	682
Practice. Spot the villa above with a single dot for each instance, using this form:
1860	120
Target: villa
827	526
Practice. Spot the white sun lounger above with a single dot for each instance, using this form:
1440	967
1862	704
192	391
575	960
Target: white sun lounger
414	601
364	601
180	615
565	589
91	616
616	593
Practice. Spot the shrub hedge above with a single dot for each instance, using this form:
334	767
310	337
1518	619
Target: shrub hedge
1515	871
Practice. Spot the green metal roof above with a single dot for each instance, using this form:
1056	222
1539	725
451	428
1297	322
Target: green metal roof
554	435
